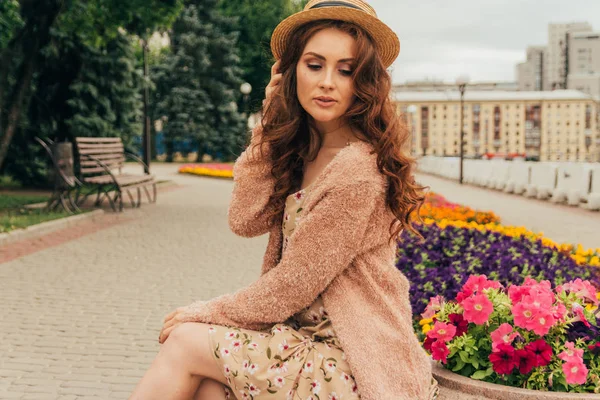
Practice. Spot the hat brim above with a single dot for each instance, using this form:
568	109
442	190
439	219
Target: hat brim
385	40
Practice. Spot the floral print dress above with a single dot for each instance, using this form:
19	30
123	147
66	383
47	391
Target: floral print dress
300	359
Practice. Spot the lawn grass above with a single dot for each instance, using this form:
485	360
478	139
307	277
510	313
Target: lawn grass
12	201
22	218
13	214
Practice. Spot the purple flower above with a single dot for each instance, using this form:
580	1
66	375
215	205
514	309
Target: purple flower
443	263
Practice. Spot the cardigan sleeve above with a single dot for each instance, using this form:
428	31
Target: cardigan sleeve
322	246
252	186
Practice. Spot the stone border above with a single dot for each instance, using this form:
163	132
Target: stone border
43	228
47	227
471	388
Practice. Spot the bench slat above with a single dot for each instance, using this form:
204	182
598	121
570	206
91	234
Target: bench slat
123	180
105	160
98	140
91	152
89	171
101	146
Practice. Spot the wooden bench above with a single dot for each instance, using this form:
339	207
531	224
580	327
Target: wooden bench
100	163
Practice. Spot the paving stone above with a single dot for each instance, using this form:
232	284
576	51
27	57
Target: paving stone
85	320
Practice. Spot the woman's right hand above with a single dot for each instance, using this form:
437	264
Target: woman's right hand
275	79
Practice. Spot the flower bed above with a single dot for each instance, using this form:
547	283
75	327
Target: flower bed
220	170
442	264
437	210
529	336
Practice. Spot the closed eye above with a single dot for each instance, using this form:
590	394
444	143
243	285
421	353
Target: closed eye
318	67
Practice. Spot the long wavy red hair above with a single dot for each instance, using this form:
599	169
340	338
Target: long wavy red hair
293	140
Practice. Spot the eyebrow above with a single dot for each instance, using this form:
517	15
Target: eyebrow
324	59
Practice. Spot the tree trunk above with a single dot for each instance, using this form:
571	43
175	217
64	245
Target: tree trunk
35	35
15	109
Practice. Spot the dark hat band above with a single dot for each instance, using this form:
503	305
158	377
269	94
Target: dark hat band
335	4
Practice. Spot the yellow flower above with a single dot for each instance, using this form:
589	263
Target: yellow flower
426	328
425	321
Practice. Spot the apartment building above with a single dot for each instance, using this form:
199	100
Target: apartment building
560	125
530	74
437	85
584	62
556	58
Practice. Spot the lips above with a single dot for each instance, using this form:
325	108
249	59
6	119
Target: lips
325	99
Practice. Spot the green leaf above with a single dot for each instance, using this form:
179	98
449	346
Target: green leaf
269	353
479	375
459	365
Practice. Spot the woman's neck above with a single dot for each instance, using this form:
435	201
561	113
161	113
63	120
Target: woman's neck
335	134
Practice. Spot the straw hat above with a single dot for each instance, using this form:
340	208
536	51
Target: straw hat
355	11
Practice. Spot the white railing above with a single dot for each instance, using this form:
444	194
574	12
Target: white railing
575	184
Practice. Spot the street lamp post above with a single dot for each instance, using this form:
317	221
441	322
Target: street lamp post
462	82
246	89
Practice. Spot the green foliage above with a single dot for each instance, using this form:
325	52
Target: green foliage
85	80
99	21
10	21
256	21
196	86
107	107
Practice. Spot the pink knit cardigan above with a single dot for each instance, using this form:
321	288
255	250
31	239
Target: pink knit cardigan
340	251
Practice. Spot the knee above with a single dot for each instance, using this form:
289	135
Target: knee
184	334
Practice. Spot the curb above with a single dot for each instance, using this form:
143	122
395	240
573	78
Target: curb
47	227
37	230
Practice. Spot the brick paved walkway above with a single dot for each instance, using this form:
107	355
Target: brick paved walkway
80	317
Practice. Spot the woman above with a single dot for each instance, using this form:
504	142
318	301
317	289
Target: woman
326	176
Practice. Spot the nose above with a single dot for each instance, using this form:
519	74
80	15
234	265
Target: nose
327	79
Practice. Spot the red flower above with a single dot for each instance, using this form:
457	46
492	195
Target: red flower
504	360
542	352
462	326
439	351
527	360
595	349
428	342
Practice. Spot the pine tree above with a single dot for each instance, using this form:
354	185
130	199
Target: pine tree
103	107
199	83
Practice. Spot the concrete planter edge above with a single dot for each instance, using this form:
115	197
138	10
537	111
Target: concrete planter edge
467	388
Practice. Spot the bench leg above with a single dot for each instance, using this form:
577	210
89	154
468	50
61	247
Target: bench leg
133	204
139	197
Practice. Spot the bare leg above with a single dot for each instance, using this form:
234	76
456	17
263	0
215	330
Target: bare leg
168	378
210	390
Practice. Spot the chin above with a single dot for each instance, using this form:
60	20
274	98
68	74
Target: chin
323	116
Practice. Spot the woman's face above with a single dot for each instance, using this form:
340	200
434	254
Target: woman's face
324	82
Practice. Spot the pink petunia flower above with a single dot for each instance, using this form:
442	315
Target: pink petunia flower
559	312
578	310
475	285
477	309
571	353
575	372
583	289
523	314
442	331
504	334
435	305
542	321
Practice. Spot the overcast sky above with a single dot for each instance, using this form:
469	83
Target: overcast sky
441	39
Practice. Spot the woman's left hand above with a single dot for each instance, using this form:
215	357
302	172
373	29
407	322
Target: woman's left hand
171	321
